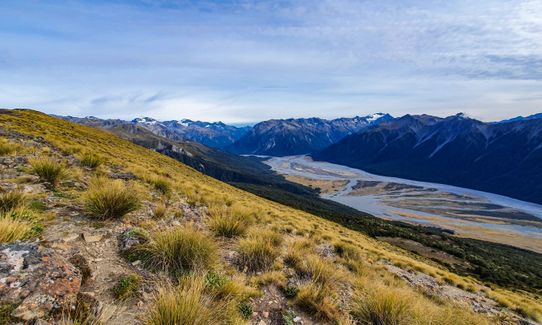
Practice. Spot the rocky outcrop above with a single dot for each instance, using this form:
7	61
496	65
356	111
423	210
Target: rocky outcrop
38	281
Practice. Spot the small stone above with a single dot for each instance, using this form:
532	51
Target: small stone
136	263
91	238
297	319
262	322
265	314
70	238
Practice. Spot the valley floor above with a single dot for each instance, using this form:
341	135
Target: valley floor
468	213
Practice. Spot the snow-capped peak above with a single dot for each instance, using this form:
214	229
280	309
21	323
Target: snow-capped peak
145	120
374	117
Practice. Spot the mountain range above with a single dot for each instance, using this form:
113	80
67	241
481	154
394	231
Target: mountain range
300	136
211	134
503	158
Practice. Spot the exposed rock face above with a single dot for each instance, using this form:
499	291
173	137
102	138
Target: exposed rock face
36	280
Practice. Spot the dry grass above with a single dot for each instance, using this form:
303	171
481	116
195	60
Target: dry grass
7	148
229	222
180	250
90	160
259	250
11	200
12	229
107	199
320	271
160	210
384	307
191	303
48	170
160	184
395	304
315	299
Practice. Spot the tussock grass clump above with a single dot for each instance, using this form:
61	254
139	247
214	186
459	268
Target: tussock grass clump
259	250
126	286
11	200
397	305
48	170
180	250
384	306
192	303
90	160
160	210
161	185
315	298
7	148
229	222
12	229
110	199
347	251
296	251
320	271
268	236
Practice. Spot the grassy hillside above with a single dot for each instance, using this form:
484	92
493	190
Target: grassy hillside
493	263
204	252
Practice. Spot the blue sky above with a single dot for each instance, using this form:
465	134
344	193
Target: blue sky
250	60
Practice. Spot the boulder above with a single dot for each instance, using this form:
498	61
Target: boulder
38	281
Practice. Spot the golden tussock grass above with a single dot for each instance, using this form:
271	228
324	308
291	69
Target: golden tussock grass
12	229
229	221
110	199
180	250
11	200
49	170
192	303
7	148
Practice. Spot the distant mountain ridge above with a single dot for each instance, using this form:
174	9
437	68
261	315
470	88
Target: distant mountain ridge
300	136
523	118
212	134
503	158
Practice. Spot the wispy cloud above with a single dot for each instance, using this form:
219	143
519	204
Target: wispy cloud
248	60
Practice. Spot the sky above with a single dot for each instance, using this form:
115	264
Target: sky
242	61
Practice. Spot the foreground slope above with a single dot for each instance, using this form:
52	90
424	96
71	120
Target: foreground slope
502	158
193	250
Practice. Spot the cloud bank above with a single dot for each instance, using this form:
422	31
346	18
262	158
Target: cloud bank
250	60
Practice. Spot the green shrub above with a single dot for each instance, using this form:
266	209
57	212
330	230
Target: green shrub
48	170
110	199
290	291
90	160
180	250
11	200
126	286
245	308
